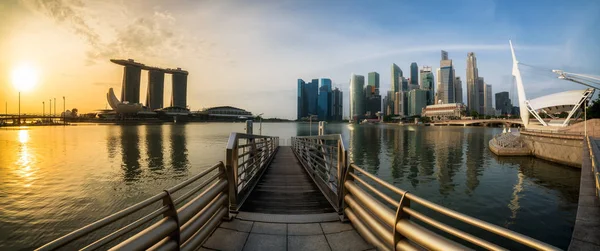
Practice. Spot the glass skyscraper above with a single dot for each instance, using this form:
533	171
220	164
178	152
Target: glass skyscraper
357	96
473	86
307	98
324	102
395	78
337	105
427	84
417	99
503	103
374	81
414	73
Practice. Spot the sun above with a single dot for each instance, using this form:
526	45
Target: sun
24	77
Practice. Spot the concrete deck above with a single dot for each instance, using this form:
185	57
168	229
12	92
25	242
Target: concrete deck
239	235
586	234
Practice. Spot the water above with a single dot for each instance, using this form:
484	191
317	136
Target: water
56	179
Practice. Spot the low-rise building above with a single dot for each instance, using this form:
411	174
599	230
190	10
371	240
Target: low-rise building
444	111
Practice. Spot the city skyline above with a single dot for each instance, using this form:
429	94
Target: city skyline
80	38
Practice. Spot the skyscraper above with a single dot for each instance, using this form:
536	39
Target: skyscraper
324	100
489	110
374	81
307	98
458	91
417	99
472	83
403	84
414	73
395	78
427	84
337	105
179	88
446	80
156	87
503	103
357	96
480	95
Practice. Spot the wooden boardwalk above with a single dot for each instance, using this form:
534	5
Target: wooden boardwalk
286	188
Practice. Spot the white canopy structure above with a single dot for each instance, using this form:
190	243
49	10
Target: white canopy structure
119	106
568	101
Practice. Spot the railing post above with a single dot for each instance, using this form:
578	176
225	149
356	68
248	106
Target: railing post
223	175
231	168
347	177
172	212
341	171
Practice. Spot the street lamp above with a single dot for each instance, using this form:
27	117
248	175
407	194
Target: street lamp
260	128
64	110
310	123
43	110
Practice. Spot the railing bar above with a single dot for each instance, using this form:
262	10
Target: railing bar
126	229
193	178
378	180
452	231
196	189
374	190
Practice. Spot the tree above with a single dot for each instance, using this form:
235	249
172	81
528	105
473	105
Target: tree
74	112
593	111
474	114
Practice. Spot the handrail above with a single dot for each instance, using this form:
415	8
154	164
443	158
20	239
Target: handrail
246	159
386	222
178	225
324	157
593	148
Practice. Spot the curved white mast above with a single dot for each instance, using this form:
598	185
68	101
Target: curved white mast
520	89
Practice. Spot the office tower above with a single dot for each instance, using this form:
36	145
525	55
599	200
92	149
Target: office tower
489	110
324	100
417	100
428	84
156	89
404	84
480	95
179	89
312	89
357	97
458	92
337	105
130	91
503	103
473	101
373	105
446	80
374	81
302	108
414	73
395	78
398	104
388	104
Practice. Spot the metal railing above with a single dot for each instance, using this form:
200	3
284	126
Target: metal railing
324	158
593	148
386	223
558	132
161	221
247	157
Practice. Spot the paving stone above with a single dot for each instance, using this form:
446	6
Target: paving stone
336	227
577	245
589	201
226	239
347	240
587	233
307	242
588	214
304	229
269	228
239	225
265	242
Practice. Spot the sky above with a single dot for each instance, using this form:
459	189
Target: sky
249	54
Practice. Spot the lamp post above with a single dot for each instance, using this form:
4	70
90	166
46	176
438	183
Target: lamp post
19	108
55	106
260	128
64	110
43	110
310	123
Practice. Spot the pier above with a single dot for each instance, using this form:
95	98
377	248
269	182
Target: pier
307	196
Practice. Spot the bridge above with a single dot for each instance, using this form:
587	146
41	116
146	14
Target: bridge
306	196
480	122
15	119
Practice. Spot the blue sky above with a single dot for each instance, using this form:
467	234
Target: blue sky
250	53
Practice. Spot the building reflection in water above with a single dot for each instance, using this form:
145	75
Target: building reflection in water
130	152
112	139
475	160
154	147
179	152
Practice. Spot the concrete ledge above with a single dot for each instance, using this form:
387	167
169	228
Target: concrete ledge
288	218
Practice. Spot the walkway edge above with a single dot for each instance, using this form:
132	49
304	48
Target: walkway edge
288	218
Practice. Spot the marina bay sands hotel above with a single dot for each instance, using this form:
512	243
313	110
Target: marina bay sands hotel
130	92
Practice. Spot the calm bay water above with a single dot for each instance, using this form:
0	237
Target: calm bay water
56	179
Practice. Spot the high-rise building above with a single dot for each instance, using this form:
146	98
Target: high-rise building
179	89
357	97
446	87
324	100
503	103
417	100
308	94
395	78
458	91
337	105
131	84
374	81
388	103
473	102
414	73
481	95
398	104
403	84
489	109
156	89
427	83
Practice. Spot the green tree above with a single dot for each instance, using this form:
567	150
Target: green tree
474	114
593	111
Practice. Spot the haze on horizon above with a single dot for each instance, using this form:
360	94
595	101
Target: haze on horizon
250	55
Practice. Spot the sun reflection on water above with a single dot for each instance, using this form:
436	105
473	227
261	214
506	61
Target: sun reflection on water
24	164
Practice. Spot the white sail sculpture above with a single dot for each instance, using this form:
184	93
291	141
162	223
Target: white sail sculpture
119	106
568	101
